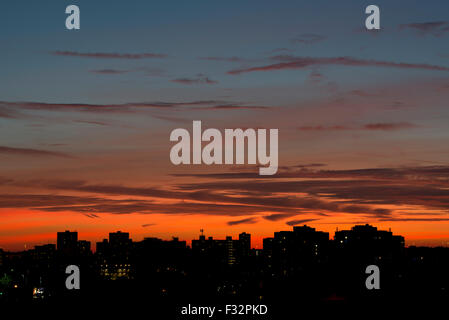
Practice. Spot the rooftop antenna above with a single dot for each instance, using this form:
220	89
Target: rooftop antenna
202	232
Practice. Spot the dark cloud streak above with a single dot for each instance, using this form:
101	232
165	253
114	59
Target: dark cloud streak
297	222
106	55
251	220
294	63
32	152
435	28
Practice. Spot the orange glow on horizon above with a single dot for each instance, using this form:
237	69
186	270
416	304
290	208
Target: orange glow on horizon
28	227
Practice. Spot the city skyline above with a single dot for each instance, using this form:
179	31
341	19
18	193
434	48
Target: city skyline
74	236
86	117
299	267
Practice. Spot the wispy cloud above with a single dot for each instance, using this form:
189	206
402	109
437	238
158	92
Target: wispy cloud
356	190
278	50
390	126
173	119
323	128
235	107
125	108
370	126
224	59
251	220
4	113
91	215
150	72
292	63
109	71
302	221
211	196
435	28
8	112
146	225
279	216
98	123
415	219
99	108
200	79
108	55
369	194
32	152
308	38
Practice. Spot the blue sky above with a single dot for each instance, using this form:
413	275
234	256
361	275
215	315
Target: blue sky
188	31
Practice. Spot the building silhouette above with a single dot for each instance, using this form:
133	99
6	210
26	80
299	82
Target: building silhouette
84	247
301	264
69	247
115	256
289	251
227	252
67	242
368	244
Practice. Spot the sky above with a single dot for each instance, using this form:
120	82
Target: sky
86	116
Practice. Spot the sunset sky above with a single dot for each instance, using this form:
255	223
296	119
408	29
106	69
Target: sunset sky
86	116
